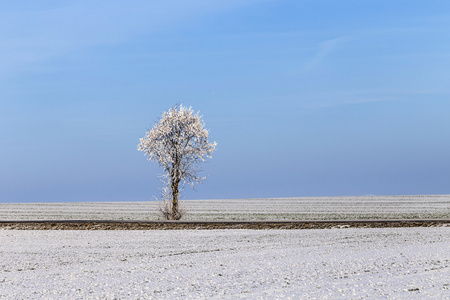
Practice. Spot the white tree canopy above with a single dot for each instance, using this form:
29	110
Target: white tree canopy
178	143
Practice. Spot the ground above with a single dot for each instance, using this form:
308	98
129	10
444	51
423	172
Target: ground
346	263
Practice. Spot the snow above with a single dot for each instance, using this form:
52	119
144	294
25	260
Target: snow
373	263
303	208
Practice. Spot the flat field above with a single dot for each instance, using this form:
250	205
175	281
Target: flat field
371	263
338	263
316	208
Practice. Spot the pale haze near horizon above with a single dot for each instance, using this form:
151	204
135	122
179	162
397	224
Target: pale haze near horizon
304	98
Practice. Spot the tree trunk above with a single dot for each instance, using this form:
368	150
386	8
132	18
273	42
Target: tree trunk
175	213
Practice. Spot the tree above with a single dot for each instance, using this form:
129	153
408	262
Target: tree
178	143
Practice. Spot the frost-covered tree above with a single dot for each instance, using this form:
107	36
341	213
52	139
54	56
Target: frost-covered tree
178	143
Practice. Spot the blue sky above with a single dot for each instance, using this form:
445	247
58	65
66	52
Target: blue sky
305	98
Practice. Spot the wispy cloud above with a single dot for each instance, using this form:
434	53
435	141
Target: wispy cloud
361	97
36	35
352	101
325	48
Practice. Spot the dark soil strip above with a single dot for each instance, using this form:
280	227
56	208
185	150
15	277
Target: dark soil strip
207	225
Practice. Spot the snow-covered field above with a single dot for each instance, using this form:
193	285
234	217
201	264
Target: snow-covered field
377	263
370	263
363	207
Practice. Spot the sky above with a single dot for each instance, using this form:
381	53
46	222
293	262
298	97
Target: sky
304	98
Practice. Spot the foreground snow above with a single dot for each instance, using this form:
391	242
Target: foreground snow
399	263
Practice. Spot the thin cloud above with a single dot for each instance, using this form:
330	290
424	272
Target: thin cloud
325	48
355	101
33	36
